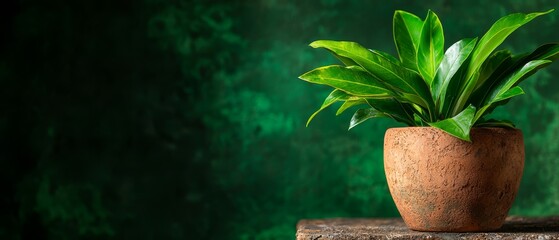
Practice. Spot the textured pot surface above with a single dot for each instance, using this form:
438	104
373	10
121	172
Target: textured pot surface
441	183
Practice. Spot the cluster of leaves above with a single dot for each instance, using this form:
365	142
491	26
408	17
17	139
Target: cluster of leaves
453	90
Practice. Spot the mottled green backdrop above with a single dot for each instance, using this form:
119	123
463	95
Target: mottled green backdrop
185	119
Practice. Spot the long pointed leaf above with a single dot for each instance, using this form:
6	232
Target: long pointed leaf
551	51
509	64
500	65
498	32
527	70
334	96
460	125
362	115
419	121
452	91
387	56
346	61
352	80
452	61
499	61
500	100
513	92
399	79
407	30
401	112
495	123
350	103
504	90
430	51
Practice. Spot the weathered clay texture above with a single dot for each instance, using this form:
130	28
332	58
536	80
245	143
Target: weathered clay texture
441	183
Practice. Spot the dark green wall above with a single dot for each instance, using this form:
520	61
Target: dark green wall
185	119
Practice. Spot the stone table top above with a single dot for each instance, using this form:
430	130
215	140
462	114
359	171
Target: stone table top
394	228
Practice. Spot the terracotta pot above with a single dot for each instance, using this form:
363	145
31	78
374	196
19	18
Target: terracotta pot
441	183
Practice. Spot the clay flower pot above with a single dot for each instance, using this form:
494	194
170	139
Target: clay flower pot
442	183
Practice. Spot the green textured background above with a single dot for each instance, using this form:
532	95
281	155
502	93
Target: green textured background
185	119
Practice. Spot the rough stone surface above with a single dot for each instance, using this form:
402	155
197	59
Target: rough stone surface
441	183
366	229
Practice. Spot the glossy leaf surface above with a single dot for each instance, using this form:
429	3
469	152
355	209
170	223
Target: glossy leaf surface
350	103
496	64
407	30
501	91
460	125
430	51
401	112
452	61
498	32
399	79
334	96
524	72
428	86
387	56
501	65
352	80
362	115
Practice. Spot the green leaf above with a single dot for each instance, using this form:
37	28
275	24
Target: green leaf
500	65
350	103
406	83
387	56
513	92
344	60
362	115
334	96
497	62
419	121
352	80
401	112
507	65
430	51
495	123
452	92
498	32
549	51
407	31
427	84
521	74
460	125
452	61
502	99
504	89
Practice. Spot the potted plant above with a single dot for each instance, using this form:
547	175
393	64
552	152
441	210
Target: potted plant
452	168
